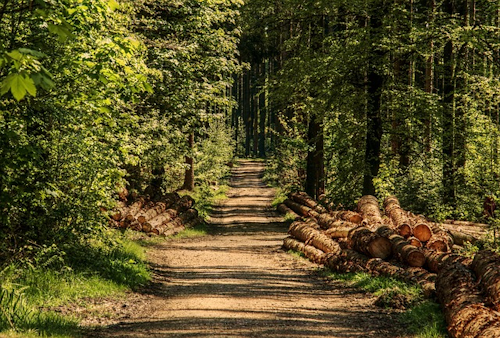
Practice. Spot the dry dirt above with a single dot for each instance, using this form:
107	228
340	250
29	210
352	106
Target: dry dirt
238	282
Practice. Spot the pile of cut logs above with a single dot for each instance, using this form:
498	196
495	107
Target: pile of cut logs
166	217
400	244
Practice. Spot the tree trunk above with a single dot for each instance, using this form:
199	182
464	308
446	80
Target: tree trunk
315	172
448	98
189	174
262	115
375	82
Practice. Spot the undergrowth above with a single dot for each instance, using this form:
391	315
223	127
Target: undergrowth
106	265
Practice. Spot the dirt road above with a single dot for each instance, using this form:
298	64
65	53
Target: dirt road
237	282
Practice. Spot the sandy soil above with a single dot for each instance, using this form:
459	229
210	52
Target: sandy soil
238	282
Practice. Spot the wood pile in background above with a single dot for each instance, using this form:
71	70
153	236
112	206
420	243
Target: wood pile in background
166	216
401	244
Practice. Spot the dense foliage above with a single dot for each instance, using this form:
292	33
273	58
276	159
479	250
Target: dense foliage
391	97
101	95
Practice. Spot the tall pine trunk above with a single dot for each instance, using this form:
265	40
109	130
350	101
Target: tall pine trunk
448	98
375	82
315	167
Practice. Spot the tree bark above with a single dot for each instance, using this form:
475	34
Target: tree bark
370	243
463	305
448	98
369	209
314	254
300	209
315	171
262	114
311	236
283	209
375	81
486	265
189	174
398	215
404	251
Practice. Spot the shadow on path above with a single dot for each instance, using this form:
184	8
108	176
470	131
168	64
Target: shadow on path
237	282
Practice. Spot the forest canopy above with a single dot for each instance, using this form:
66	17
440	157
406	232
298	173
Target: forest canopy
344	98
375	97
102	96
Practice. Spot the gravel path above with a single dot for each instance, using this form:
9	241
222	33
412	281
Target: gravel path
238	282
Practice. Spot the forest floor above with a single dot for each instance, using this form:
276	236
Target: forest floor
238	282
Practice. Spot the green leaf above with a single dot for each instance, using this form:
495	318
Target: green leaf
62	32
31	52
19	86
15	54
113	5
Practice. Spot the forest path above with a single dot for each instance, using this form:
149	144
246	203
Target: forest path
238	282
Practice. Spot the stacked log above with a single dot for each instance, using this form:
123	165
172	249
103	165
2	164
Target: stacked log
309	235
170	215
306	200
421	228
369	209
314	254
345	246
403	250
370	243
300	209
486	265
283	209
398	216
352	261
463	305
434	260
344	215
132	210
339	229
